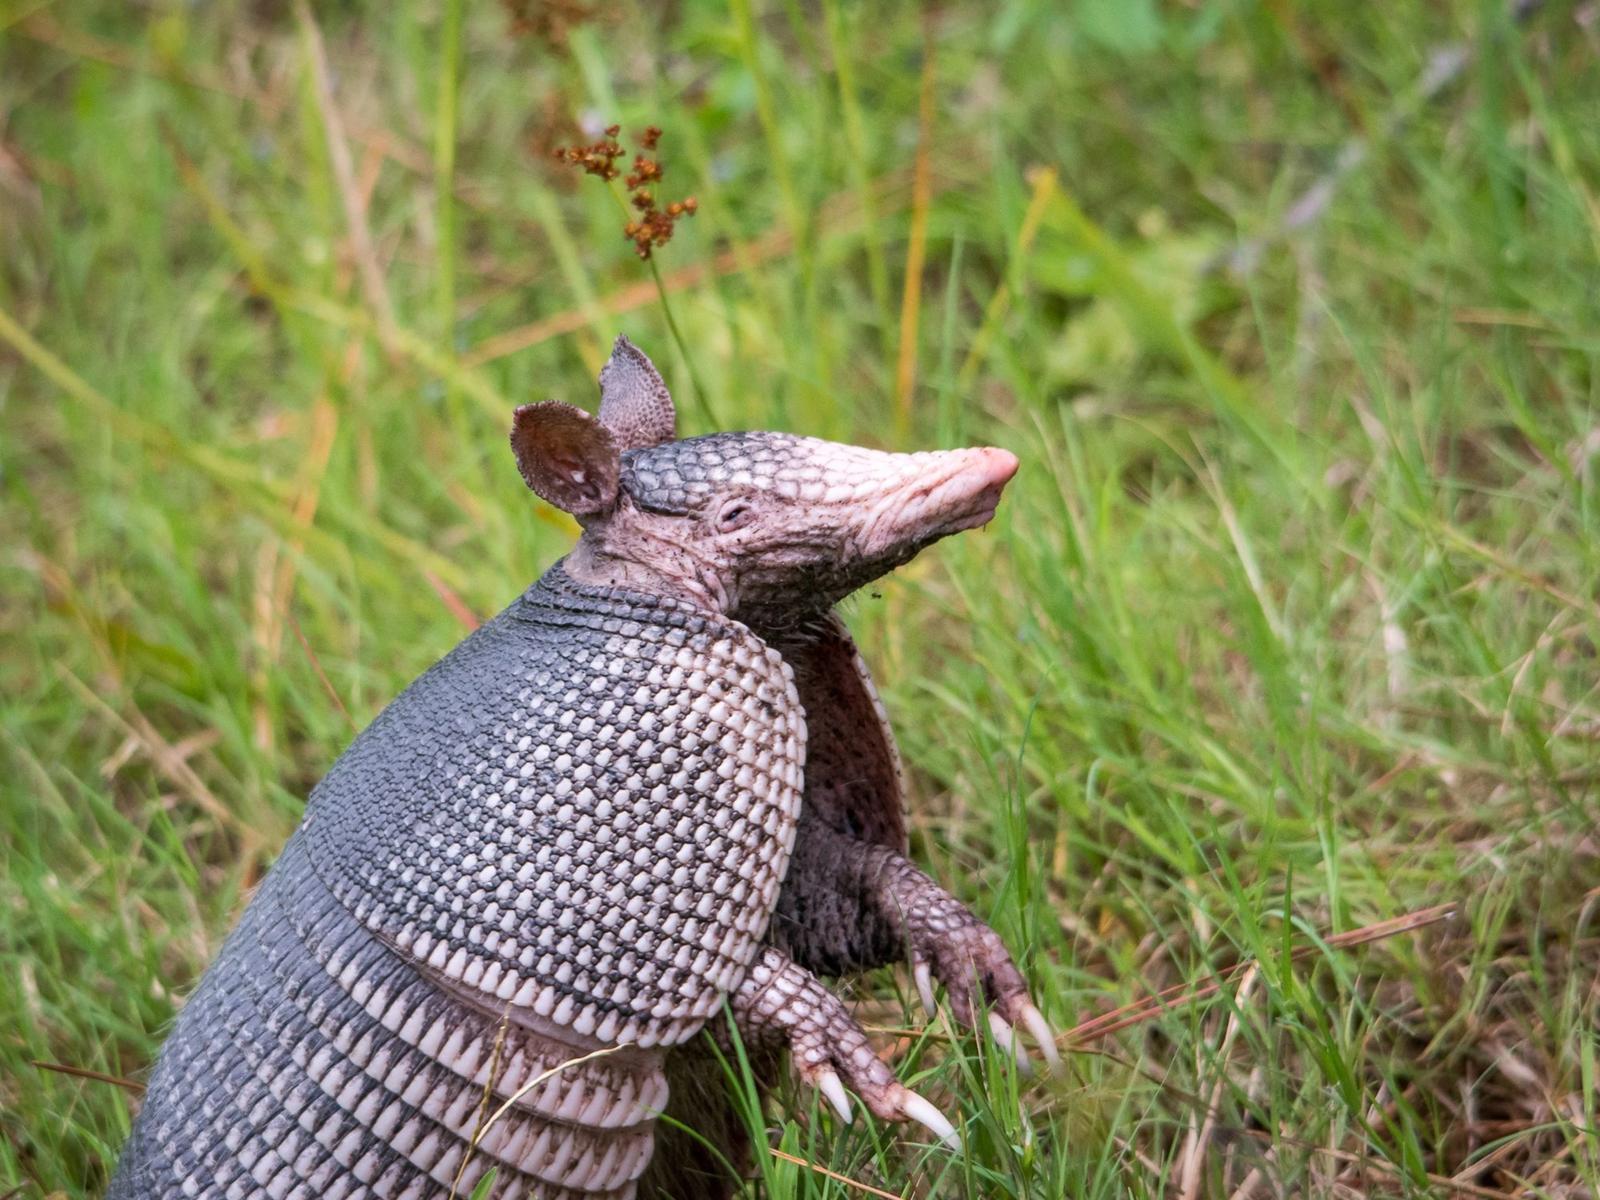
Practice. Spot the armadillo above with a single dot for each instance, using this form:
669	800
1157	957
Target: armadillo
656	792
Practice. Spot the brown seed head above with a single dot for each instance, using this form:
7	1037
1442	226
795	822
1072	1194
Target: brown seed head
655	225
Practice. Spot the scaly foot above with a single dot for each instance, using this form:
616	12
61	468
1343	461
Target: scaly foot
779	999
946	942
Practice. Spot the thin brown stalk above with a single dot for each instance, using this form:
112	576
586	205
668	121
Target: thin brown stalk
1204	1124
279	563
483	1102
833	1175
840	215
84	1073
457	606
316	665
1181	994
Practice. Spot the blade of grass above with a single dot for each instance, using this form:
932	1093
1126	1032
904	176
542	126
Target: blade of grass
833	1175
905	376
1043	181
444	168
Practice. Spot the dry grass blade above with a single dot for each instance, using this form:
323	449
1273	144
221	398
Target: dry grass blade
774	244
842	215
277	565
833	1175
355	211
1511	570
316	665
485	1125
459	609
483	1102
522	1091
1204	1124
1182	994
84	1073
168	762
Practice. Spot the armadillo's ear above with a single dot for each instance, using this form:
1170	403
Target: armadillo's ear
634	402
567	457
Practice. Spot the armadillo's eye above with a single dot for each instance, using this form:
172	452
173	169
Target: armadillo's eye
735	514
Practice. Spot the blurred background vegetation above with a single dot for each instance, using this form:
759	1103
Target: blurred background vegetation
1274	684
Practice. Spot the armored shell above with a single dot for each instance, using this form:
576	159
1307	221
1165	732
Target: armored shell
568	834
680	477
315	1061
585	811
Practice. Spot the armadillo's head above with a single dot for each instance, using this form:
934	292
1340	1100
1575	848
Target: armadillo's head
768	527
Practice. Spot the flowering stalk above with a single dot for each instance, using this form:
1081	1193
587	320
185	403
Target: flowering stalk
646	223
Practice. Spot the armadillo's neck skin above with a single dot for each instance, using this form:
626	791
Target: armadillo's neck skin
678	575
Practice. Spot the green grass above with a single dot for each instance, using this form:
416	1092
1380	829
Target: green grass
1288	625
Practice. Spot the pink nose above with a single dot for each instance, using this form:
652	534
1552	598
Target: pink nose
998	465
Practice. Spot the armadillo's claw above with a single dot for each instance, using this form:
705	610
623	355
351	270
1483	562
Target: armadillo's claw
1008	1041
947	943
1033	1021
922	974
828	1084
919	1109
829	1049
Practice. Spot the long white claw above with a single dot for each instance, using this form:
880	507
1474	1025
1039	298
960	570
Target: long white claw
1035	1023
833	1091
1008	1041
922	1111
923	975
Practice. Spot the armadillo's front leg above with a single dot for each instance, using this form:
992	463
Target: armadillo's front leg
945	941
851	904
779	1001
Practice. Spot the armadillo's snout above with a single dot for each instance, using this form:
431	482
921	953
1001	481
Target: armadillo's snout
938	494
960	489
